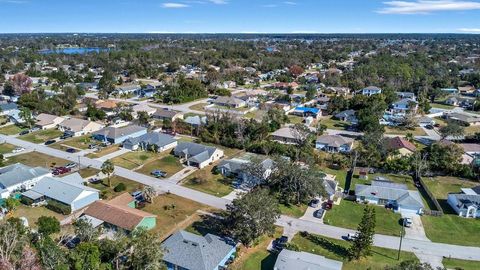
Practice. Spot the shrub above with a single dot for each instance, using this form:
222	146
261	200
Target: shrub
120	187
58	207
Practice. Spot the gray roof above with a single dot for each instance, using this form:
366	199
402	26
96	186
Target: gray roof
156	138
196	120
7	106
162	113
343	114
65	190
404	101
466	200
334	140
383	190
18	173
118	132
464	117
195	252
294	260
372	88
330	186
195	152
228	100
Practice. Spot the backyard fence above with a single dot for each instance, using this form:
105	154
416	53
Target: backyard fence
424	189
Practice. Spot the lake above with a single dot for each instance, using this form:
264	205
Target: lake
79	50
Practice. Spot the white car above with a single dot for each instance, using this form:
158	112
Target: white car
18	150
352	236
407	222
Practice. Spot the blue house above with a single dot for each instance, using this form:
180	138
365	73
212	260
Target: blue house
116	135
371	90
188	251
306	112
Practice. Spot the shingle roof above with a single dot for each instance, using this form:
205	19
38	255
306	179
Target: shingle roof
165	113
116	212
398	143
289	260
195	252
75	124
465	200
228	100
156	138
195	152
18	173
401	196
117	132
44	119
334	140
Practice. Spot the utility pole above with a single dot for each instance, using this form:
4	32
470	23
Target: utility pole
401	238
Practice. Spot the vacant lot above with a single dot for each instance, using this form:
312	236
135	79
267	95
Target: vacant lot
168	164
104	151
334	124
33	213
173	213
107	192
452	229
296	211
41	136
397	131
132	160
338	250
198	107
6	148
81	142
35	159
460	264
206	181
349	214
11	130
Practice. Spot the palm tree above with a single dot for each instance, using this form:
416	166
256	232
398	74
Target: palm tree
108	168
149	193
26	115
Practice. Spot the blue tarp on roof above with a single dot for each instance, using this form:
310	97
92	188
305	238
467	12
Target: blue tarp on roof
307	110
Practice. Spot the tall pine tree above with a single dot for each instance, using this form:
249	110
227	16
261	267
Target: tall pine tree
366	229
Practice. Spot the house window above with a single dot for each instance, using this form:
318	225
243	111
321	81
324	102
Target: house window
382	201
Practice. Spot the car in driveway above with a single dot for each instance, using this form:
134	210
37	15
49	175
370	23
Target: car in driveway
319	213
71	165
71	150
407	222
50	142
279	243
158	173
314	203
18	150
24	132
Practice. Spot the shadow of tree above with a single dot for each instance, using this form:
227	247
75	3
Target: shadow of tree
269	262
209	224
328	245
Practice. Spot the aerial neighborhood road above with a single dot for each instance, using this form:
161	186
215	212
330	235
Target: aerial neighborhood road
421	248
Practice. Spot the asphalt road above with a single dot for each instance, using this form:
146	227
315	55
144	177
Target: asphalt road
417	246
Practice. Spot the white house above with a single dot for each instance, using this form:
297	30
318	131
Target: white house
47	121
79	127
467	203
197	155
19	177
334	144
371	90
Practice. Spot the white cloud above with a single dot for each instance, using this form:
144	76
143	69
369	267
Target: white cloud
13	1
174	5
470	30
290	3
427	6
219	2
270	6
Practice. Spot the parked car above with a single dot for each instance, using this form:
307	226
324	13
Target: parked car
329	205
71	165
351	236
279	243
159	173
407	222
94	180
18	150
314	203
24	132
319	213
50	142
71	242
66	136
429	127
71	150
60	170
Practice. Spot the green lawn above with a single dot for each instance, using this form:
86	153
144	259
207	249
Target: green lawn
168	164
397	131
35	159
334	124
132	160
104	151
295	119
295	211
441	186
470	130
205	181
452	229
338	249
341	175
349	214
33	213
6	148
41	136
107	192
198	107
460	264
81	142
11	130
441	106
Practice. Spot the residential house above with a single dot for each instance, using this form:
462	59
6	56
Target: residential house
6	108
467	203
160	141
196	121
452	101
471	149
284	135
126	89
229	102
399	146
291	260
370	90
409	95
285	86
340	91
19	177
334	144
466	90
165	114
197	155
391	194
78	127
188	251
48	121
108	106
463	118
403	106
119	214
116	135
307	112
142	108
449	90
69	191
235	167
347	116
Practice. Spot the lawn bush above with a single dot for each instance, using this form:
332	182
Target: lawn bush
120	187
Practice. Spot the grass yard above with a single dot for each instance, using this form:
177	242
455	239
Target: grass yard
442	106
104	151
107	192
338	250
452	229
256	257
168	164
41	136
440	186
33	213
349	214
418	131
334	124
341	175
205	181
132	160
6	148
460	264
295	119
173	213
198	107
471	130
88	172
81	142
295	211
11	130
35	159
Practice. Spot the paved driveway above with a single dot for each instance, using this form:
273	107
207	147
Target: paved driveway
416	230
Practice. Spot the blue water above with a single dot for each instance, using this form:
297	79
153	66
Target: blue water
79	50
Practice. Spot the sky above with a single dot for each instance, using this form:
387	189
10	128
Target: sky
240	16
